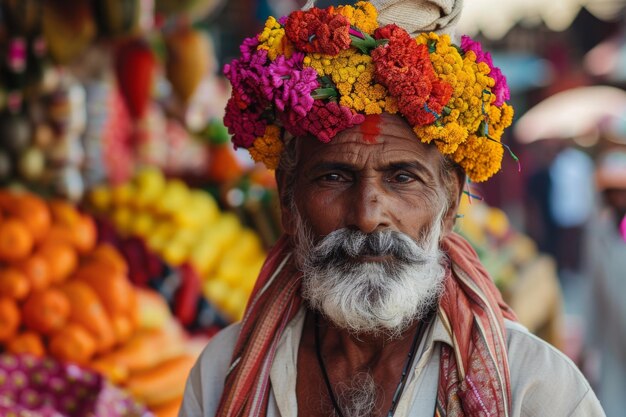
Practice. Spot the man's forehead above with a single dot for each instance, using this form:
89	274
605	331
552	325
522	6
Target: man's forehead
384	138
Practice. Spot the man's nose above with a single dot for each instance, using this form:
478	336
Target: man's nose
369	211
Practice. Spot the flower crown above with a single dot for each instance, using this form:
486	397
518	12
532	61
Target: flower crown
320	71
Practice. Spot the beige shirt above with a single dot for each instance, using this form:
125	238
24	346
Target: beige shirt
544	382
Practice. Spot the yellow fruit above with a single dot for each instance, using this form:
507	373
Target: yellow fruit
100	197
150	184
175	254
123	194
235	304
227	229
204	257
216	290
123	218
174	198
205	207
231	273
142	224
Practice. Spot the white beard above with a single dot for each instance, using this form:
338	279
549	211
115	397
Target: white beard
371	297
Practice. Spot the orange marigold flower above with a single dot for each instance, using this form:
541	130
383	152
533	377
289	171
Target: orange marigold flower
267	148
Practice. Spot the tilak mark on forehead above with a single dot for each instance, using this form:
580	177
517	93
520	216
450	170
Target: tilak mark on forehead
370	128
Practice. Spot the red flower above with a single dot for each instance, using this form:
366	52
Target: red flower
404	67
318	31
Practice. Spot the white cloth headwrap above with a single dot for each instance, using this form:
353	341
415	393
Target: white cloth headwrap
416	16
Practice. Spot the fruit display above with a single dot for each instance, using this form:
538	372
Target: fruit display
64	295
186	226
91	90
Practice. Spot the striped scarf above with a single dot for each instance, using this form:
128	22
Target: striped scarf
474	373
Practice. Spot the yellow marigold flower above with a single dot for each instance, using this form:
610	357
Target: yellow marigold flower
362	15
273	39
479	157
457	131
352	74
391	105
267	149
447	137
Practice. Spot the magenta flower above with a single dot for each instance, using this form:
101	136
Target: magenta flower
246	73
324	121
244	124
289	86
248	47
500	89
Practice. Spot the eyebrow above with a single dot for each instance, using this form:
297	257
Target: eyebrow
411	165
329	166
343	166
408	165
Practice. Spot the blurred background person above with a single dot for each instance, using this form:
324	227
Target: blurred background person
606	269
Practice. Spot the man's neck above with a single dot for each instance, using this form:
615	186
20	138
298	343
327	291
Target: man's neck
346	358
363	350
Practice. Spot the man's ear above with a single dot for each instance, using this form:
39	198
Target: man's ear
286	212
455	193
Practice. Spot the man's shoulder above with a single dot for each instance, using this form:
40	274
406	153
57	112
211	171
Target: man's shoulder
220	346
544	381
524	349
206	379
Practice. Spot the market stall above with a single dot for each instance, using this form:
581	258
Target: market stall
130	230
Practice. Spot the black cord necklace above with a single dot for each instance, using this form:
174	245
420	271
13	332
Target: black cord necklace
405	371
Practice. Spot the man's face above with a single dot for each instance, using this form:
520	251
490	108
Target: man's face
366	218
369	182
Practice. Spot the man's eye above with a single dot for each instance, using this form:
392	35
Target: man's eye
332	177
402	178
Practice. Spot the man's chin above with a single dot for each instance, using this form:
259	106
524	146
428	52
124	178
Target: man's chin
370	325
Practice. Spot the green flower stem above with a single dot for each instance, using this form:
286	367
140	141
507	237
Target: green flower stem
366	44
324	93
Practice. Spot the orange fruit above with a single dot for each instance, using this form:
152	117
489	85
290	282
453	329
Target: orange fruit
84	234
73	343
14	283
123	328
46	311
113	289
36	270
33	212
87	310
64	213
27	342
16	242
9	318
61	259
107	254
59	233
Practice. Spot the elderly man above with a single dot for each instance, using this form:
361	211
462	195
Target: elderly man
370	305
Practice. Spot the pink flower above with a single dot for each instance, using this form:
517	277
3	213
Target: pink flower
500	89
246	74
244	124
289	86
